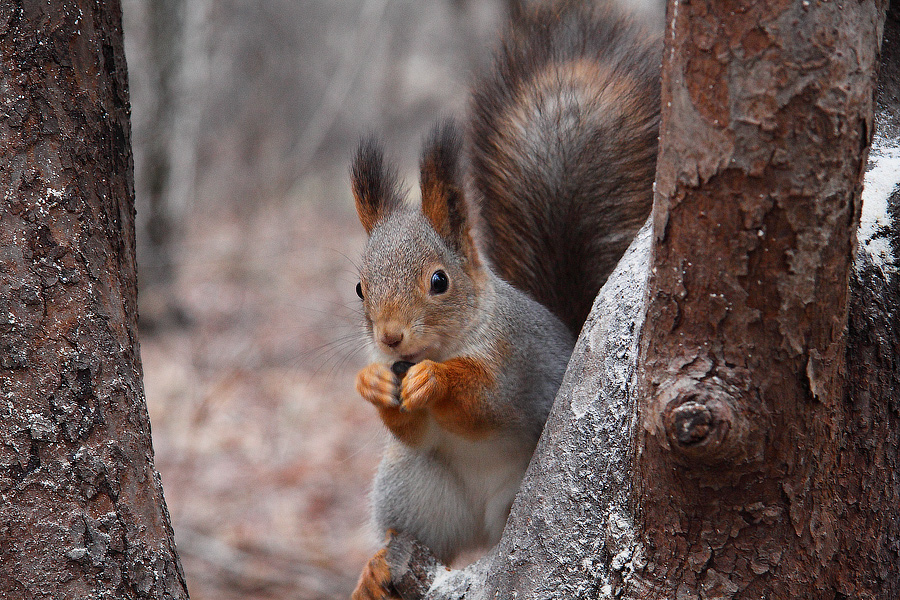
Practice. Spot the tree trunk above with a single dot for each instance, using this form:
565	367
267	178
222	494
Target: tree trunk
82	512
741	441
741	422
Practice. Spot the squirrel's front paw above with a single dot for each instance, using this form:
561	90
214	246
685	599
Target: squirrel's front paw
378	384
421	386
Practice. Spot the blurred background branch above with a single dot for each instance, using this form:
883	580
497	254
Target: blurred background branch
334	99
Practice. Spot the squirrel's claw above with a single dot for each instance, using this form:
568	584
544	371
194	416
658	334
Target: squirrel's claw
378	384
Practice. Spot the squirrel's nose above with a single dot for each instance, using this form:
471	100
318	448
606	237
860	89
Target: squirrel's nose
391	339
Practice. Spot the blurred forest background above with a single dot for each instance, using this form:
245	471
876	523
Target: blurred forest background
245	114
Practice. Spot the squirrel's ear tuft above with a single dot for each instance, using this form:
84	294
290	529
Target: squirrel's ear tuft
443	201
376	186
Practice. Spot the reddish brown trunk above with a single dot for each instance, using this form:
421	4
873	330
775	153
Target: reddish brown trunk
82	513
765	127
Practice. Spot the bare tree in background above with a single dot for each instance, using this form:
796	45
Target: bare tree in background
169	67
722	432
82	512
165	31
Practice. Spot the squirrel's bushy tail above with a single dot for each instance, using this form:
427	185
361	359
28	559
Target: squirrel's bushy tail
564	137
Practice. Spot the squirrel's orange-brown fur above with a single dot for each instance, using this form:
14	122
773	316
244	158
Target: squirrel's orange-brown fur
377	384
563	146
375	579
452	390
455	390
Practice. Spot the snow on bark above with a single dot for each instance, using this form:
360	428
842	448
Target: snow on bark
881	191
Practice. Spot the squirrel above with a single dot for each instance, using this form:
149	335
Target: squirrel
471	340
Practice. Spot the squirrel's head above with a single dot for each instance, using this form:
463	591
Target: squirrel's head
421	276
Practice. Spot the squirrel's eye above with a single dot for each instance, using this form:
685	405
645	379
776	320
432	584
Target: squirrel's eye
359	290
439	282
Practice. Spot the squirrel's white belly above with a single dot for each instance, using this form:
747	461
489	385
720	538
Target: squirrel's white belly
489	473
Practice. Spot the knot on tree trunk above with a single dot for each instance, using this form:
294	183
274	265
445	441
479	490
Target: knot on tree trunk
703	422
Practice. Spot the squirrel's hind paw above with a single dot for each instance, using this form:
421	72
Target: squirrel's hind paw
375	580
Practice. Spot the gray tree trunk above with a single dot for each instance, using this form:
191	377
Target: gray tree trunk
82	512
158	220
165	45
742	440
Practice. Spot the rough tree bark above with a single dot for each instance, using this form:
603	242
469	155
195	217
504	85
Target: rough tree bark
742	423
729	426
81	507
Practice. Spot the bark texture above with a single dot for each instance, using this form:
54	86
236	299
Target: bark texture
754	451
768	112
82	512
